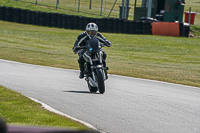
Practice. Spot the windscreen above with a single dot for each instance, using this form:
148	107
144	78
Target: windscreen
94	45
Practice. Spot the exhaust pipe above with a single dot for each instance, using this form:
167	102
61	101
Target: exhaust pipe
91	82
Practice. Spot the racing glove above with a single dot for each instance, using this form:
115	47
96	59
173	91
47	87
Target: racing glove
107	43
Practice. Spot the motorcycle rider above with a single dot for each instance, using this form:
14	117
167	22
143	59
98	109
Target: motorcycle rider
82	40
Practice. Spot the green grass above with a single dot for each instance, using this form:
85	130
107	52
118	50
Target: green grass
194	4
195	30
20	110
170	59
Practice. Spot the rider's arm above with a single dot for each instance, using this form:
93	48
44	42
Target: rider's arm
75	45
103	40
100	37
79	41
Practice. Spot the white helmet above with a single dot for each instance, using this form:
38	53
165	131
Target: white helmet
91	29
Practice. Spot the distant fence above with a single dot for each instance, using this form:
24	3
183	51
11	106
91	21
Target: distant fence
110	25
88	8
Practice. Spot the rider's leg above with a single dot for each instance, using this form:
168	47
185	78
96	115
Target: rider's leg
81	62
104	58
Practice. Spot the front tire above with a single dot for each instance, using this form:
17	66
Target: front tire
100	81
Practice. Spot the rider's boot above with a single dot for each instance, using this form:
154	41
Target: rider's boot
81	74
81	71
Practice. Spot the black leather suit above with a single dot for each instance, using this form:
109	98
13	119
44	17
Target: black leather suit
82	40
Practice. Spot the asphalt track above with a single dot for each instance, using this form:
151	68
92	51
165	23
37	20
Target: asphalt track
129	105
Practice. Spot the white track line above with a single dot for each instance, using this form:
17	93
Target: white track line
63	114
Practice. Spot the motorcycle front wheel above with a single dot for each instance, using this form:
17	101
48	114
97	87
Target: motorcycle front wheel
100	80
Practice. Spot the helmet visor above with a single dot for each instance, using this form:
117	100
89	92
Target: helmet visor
92	33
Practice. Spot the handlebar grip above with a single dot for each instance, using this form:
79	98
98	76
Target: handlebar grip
79	48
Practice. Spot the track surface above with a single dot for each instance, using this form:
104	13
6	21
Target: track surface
129	105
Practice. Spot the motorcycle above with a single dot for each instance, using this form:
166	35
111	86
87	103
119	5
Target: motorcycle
95	72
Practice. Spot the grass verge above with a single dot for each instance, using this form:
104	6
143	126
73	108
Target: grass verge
170	59
195	30
18	109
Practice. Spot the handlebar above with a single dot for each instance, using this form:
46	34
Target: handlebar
83	47
87	47
102	45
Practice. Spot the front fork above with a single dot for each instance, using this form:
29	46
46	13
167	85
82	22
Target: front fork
104	69
104	72
92	70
